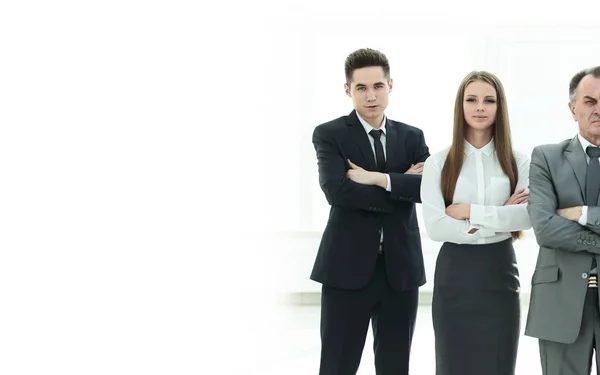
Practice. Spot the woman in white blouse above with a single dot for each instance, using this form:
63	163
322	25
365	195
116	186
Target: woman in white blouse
474	196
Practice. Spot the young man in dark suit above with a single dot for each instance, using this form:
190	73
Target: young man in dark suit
370	260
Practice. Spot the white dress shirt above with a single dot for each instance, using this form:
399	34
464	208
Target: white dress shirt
484	186
584	210
368	128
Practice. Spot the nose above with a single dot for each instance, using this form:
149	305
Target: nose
479	108
371	96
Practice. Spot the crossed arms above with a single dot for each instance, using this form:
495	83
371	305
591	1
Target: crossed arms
558	228
346	184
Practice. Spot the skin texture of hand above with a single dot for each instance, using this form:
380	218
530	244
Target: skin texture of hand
361	176
415	168
459	211
520	196
571	213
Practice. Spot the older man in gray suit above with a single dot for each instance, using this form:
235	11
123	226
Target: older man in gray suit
564	184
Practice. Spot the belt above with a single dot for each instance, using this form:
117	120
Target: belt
593	281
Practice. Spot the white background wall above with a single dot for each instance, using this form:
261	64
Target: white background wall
157	179
428	61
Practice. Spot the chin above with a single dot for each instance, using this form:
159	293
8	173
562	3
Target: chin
370	114
480	126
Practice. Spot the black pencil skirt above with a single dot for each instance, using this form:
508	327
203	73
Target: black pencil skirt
476	311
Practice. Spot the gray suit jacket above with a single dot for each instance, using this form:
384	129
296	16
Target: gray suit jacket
559	283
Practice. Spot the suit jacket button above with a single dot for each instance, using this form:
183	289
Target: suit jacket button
579	241
584	275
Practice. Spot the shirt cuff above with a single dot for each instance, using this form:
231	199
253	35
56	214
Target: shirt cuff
477	214
389	183
584	214
481	230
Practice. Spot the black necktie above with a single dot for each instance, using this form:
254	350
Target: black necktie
592	182
379	157
592	179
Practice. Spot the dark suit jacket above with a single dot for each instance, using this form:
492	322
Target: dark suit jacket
350	244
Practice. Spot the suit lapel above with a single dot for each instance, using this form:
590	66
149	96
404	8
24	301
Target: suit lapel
391	142
575	156
361	138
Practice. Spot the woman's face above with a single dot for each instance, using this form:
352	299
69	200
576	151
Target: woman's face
480	105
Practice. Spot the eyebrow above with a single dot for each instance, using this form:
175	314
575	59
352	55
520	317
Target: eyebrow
589	97
363	85
487	96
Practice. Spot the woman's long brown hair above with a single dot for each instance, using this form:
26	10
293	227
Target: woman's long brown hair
500	131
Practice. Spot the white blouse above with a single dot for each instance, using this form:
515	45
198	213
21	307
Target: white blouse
481	183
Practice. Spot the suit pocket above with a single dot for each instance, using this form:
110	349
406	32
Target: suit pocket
545	275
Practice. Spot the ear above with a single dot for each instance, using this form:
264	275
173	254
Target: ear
391	83
347	89
572	109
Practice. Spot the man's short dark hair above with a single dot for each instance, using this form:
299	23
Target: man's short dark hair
365	57
595	71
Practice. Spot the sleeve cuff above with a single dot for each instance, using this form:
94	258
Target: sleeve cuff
481	230
477	214
584	214
389	182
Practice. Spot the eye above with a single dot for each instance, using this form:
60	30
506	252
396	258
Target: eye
490	101
471	100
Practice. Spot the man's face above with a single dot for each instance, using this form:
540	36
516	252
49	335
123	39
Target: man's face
369	91
586	110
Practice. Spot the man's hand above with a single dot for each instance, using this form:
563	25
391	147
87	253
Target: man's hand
459	211
415	168
359	175
571	213
520	196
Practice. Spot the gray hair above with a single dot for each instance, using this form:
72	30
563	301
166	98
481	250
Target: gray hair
595	71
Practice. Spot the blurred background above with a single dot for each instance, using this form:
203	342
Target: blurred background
159	203
534	54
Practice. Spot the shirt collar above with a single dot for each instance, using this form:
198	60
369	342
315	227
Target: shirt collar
584	144
487	149
368	127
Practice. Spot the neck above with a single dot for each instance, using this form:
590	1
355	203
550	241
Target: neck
593	139
375	122
478	138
